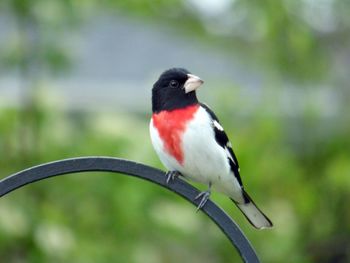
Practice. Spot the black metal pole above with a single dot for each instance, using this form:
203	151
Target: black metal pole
107	164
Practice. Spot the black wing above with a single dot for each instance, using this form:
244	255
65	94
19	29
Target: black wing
222	139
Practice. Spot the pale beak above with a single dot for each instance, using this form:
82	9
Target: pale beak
192	83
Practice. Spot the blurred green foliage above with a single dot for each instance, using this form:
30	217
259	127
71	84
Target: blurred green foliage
297	168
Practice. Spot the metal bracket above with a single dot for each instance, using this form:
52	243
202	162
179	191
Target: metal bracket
108	164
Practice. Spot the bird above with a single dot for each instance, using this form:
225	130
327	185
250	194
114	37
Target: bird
192	144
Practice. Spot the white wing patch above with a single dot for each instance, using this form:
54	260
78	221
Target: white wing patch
218	126
229	156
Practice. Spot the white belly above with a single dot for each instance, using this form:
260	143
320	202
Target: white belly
204	160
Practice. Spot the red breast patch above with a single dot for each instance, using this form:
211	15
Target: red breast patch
171	126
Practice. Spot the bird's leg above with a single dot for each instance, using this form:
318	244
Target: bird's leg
171	175
204	197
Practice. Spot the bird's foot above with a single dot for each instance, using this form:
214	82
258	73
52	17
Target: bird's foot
171	175
204	197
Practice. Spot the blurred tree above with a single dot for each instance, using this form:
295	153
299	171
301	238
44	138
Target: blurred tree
32	53
291	37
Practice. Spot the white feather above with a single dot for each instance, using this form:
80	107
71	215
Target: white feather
204	159
218	126
255	216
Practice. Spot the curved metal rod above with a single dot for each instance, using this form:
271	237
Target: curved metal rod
107	164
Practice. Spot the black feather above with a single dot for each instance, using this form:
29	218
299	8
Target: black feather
222	139
165	97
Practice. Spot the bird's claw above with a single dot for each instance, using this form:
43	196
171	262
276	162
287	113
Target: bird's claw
204	198
171	175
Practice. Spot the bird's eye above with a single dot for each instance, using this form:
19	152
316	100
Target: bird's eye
174	84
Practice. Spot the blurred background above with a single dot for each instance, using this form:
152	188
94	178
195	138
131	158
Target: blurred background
76	78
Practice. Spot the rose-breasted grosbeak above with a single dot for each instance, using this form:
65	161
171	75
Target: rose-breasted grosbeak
190	142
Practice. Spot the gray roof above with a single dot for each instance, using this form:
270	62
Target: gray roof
117	59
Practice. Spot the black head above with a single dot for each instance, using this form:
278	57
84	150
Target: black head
175	88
